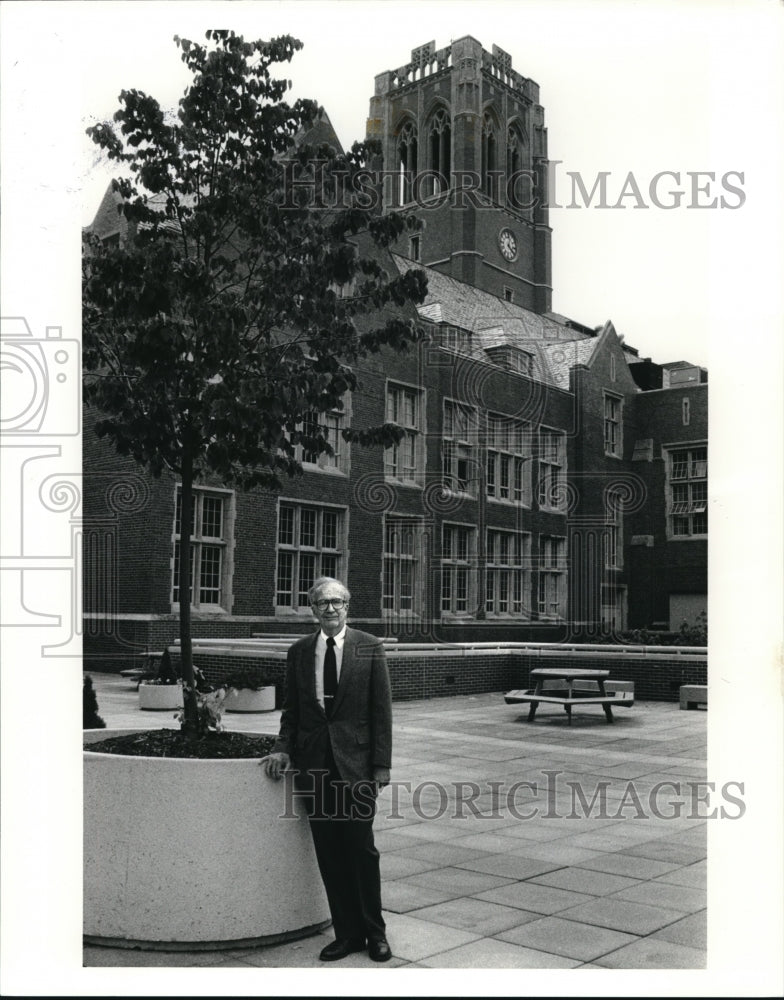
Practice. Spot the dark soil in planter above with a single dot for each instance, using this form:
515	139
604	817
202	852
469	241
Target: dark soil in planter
173	743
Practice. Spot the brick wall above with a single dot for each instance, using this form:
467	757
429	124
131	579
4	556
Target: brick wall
440	674
668	566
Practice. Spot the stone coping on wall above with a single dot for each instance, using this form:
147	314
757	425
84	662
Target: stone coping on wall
278	648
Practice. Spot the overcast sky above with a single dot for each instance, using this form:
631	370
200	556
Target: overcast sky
626	88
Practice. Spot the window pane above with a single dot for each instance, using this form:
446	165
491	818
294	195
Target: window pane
284	595
307	574
461	589
286	525
406	586
503	489
700	523
329	565
212	517
680	464
178	512
446	589
209	574
329	529
307	527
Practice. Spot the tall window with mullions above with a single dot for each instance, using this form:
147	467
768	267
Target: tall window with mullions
208	547
310	545
687	471
402	566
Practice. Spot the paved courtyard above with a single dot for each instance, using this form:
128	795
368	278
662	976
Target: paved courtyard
509	845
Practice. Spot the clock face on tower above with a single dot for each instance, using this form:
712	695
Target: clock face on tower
508	244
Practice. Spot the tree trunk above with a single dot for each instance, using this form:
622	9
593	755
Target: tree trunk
191	714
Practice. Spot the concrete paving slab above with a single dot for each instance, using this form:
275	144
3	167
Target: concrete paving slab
398	896
477	915
458	881
560	937
657	850
653	953
676	897
413	940
438	830
557	853
622	915
691	875
444	854
625	864
600	842
692	931
594	883
399	865
536	898
489	953
492	843
94	957
508	865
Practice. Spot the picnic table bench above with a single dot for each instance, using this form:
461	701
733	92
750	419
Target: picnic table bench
138	674
570	686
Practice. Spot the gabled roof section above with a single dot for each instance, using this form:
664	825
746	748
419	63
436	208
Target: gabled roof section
564	356
452	301
493	322
320	131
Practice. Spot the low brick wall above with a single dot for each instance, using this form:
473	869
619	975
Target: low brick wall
440	672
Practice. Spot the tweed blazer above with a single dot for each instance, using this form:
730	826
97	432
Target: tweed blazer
360	728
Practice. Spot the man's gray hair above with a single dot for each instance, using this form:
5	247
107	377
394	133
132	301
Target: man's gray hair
321	582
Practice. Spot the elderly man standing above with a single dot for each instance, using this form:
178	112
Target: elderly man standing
336	729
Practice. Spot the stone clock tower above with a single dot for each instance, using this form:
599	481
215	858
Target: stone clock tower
465	148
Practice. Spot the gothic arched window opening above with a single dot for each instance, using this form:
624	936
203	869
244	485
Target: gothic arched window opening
440	152
406	163
518	185
489	158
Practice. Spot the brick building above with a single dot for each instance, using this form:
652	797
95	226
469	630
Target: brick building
551	484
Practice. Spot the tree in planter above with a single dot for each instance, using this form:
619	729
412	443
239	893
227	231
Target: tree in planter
235	308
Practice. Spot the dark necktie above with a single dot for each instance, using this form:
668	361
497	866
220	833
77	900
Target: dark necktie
330	676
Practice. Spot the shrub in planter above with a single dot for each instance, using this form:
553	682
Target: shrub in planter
164	691
90	717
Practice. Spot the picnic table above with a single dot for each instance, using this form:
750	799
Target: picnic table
144	673
570	686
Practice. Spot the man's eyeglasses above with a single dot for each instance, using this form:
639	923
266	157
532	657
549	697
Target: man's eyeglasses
337	603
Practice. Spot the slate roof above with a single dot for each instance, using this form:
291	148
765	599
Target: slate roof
555	346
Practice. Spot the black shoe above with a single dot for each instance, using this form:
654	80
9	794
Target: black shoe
340	948
379	950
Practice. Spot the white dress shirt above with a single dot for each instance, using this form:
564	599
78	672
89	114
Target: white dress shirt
321	649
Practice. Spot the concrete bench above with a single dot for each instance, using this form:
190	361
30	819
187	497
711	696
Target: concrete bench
583	692
693	695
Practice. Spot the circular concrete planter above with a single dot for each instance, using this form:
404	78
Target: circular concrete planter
188	854
247	700
160	697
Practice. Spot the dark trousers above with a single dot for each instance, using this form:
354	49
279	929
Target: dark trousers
341	823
